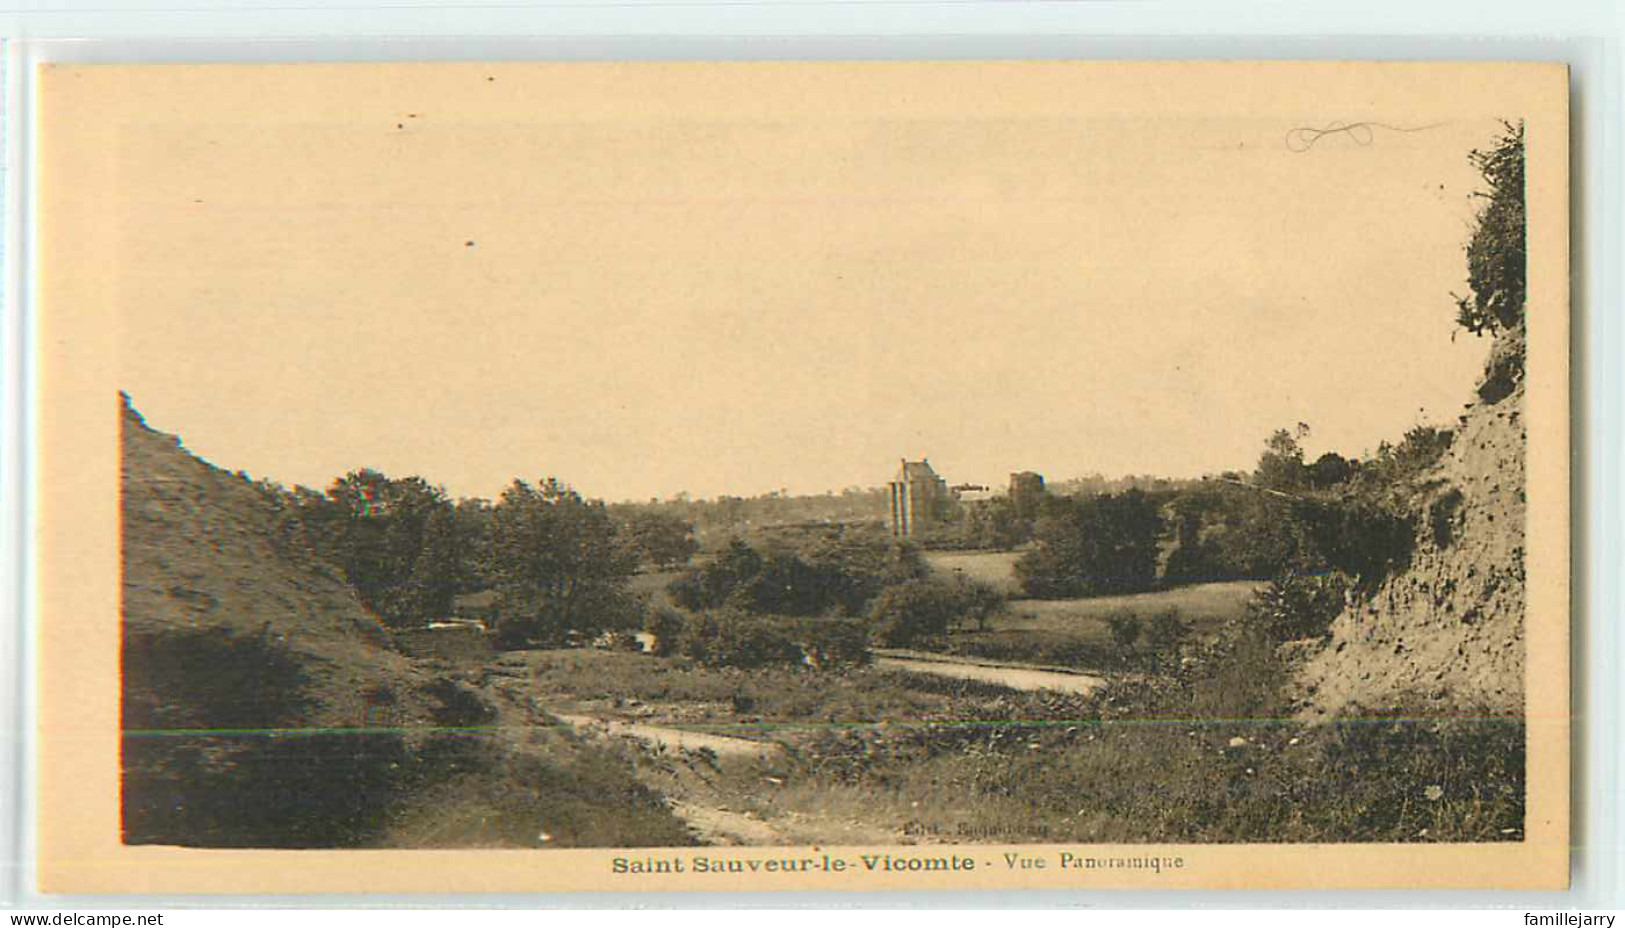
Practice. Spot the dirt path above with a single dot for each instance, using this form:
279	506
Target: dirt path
1014	676
674	738
727	829
697	794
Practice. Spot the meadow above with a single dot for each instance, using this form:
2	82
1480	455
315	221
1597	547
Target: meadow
1075	633
995	568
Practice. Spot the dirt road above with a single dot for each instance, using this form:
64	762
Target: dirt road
1014	676
674	738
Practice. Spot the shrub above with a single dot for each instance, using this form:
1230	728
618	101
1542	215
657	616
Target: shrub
907	613
1125	628
458	707
183	784
1295	606
1166	632
1360	535
911	611
834	643
667	625
729	639
1496	252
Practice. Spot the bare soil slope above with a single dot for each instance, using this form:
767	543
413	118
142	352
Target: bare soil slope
265	707
1448	631
204	565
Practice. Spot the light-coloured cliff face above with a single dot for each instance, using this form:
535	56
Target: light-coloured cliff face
1447	631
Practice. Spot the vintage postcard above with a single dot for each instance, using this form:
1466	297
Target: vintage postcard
796	475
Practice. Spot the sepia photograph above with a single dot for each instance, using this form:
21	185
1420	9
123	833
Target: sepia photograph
888	466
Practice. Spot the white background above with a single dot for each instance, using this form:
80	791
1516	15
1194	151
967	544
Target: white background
1585	34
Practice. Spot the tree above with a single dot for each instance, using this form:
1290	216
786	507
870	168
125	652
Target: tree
834	575
1226	531
709	586
1329	470
786	585
1281	466
854	567
373	528
1496	253
472	523
433	586
906	613
1092	547
975	601
663	540
996	524
558	563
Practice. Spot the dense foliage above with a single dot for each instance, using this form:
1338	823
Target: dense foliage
840	575
910	612
1093	546
728	638
396	541
558	564
1496	253
1294	606
662	539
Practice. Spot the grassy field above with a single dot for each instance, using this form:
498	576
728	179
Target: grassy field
1074	632
1206	606
995	568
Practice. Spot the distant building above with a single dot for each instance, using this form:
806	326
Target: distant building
1026	492
919	498
974	492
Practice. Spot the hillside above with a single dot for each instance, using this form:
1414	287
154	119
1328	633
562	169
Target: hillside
202	566
265	707
1447	631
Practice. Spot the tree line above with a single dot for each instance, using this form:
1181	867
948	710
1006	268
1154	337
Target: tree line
555	560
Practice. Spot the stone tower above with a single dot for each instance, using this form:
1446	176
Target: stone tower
918	498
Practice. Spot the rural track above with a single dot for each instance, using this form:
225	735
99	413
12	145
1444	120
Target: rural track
718	825
1022	677
677	739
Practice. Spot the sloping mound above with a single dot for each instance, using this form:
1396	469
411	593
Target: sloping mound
1448	631
264	707
206	563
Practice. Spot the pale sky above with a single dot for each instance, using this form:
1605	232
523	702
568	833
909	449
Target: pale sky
660	300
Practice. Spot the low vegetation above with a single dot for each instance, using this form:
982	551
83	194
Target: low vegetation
1203	749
